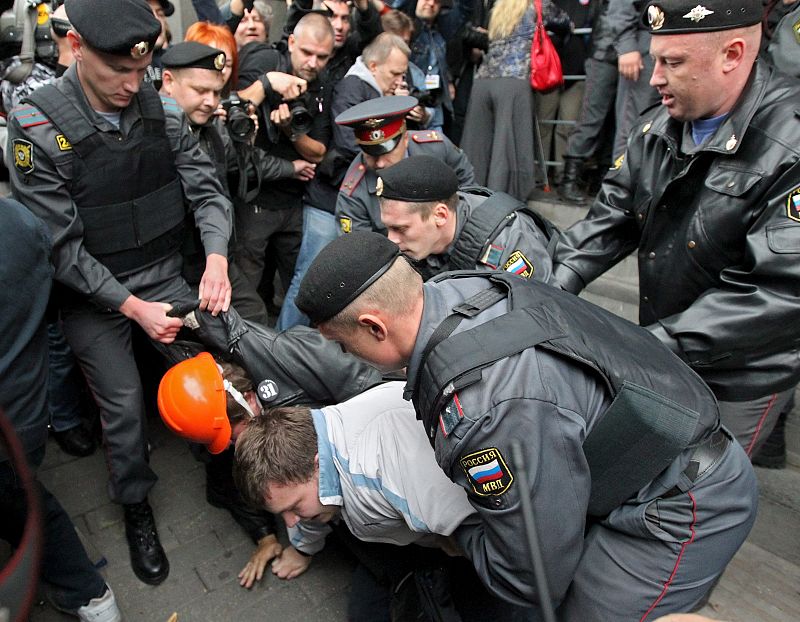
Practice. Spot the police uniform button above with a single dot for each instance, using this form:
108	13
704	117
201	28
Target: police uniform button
691	244
645	299
651	255
640	216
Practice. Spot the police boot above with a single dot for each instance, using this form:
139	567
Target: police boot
148	559
569	190
772	454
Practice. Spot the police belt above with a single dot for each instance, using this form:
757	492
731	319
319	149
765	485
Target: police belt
705	456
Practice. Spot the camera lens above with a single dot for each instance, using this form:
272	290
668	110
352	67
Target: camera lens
240	125
301	118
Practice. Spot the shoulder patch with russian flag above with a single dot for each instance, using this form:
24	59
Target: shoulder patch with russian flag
519	264
487	472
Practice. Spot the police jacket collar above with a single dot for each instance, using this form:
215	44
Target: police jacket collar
729	135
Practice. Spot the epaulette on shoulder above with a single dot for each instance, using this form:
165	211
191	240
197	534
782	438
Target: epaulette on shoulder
427	136
170	105
29	116
351	182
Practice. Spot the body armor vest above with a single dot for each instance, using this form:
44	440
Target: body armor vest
126	190
659	408
484	224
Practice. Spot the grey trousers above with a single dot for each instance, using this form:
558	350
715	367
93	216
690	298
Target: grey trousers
598	100
751	422
498	135
101	341
632	99
662	555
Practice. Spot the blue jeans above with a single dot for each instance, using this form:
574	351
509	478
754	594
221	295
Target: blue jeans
63	393
319	228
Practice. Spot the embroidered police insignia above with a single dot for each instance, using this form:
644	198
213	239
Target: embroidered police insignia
487	472
63	143
23	155
518	264
793	205
346	225
267	391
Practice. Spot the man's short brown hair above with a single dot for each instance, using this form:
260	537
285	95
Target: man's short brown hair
279	447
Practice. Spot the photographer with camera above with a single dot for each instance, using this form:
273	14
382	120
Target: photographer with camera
295	128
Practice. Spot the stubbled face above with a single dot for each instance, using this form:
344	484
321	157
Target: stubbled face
390	73
309	55
688	76
428	10
340	21
377	163
197	92
250	28
416	237
109	81
296	502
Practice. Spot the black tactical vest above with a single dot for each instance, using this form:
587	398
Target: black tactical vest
127	191
659	408
486	220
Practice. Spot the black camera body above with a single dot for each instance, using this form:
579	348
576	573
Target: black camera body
426	98
240	126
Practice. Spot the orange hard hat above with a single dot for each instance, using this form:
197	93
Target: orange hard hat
192	402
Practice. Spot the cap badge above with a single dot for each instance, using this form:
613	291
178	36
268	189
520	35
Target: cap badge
377	135
731	144
698	13
140	49
379	187
373	122
219	61
655	17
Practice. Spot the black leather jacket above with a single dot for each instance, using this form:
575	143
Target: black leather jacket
304	367
717	229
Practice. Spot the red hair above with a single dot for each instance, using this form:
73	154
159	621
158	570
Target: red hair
219	37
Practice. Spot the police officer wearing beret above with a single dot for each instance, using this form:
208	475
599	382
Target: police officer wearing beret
380	131
110	169
444	228
640	495
193	78
708	193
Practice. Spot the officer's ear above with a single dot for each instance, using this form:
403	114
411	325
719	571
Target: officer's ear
441	214
75	44
375	325
167	80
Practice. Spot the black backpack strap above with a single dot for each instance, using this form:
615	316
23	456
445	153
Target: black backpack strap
485	220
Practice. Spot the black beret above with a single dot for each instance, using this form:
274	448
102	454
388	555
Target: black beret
193	54
674	17
378	123
119	27
418	179
342	271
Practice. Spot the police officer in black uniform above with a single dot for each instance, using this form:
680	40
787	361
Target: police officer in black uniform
444	228
640	494
380	130
110	169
